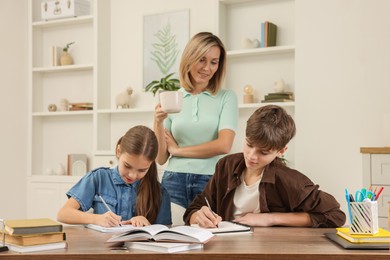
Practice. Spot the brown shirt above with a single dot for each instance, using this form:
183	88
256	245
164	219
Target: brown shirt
281	190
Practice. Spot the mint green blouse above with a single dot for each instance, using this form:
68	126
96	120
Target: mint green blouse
201	118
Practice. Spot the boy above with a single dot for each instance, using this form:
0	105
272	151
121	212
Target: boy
256	188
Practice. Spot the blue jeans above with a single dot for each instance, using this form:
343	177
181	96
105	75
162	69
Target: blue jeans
183	187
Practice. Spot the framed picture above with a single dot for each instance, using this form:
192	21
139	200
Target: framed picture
77	164
164	38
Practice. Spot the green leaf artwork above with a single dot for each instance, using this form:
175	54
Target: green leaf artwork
165	49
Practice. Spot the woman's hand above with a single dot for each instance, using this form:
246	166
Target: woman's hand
171	143
159	115
138	221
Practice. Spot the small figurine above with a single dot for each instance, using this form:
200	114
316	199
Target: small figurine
123	99
64	105
248	94
279	86
247	43
52	108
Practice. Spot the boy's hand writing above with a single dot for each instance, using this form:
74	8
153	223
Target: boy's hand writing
205	218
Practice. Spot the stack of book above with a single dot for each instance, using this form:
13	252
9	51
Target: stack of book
80	106
30	235
383	236
268	34
278	97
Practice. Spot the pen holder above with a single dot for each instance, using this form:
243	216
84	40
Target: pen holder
364	217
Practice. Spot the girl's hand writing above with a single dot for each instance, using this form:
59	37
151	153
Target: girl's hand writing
108	219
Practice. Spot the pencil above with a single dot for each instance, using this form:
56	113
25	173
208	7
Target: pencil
208	205
106	205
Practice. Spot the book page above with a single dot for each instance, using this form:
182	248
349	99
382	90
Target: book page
185	234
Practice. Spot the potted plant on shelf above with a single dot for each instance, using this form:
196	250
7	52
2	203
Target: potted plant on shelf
170	98
66	58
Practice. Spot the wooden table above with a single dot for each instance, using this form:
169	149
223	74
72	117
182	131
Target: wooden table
264	243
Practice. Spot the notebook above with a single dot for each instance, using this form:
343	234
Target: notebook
348	245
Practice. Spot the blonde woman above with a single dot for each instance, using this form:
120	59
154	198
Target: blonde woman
193	140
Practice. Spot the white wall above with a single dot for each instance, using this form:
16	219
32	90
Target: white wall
342	57
13	108
342	88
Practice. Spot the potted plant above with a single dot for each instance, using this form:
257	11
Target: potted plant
170	99
165	84
66	58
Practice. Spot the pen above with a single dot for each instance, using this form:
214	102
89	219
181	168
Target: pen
379	193
208	205
348	198
105	204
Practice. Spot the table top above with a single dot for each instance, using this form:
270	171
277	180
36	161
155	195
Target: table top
375	150
264	243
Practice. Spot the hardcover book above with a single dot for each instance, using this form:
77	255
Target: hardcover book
157	232
163	247
34	248
32	226
35	239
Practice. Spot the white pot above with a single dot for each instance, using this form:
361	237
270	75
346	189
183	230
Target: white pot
171	101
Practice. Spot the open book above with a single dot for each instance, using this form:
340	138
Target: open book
225	227
159	232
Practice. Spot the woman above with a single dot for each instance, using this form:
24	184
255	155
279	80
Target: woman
194	139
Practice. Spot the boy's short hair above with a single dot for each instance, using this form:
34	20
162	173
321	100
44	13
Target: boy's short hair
270	128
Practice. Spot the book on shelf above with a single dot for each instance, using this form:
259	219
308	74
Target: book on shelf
383	236
225	227
276	95
55	55
277	100
35	239
159	233
34	248
80	106
117	229
32	226
163	247
268	34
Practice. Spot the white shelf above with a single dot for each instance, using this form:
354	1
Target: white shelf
76	67
62	113
257	105
125	111
260	51
54	178
62	22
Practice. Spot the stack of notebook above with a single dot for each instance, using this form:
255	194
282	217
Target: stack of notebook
29	235
344	238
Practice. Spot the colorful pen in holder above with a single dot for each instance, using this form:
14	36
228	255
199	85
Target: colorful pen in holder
364	217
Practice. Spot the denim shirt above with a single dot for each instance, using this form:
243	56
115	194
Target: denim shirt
120	196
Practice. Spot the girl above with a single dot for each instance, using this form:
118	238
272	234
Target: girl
131	190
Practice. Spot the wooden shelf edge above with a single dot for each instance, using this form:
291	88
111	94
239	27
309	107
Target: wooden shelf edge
375	150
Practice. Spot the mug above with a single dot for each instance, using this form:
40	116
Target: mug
171	101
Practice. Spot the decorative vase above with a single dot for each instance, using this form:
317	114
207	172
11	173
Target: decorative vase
66	59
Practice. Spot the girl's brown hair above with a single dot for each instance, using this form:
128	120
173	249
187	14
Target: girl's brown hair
196	49
141	140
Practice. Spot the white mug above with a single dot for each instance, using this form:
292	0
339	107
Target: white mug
171	101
